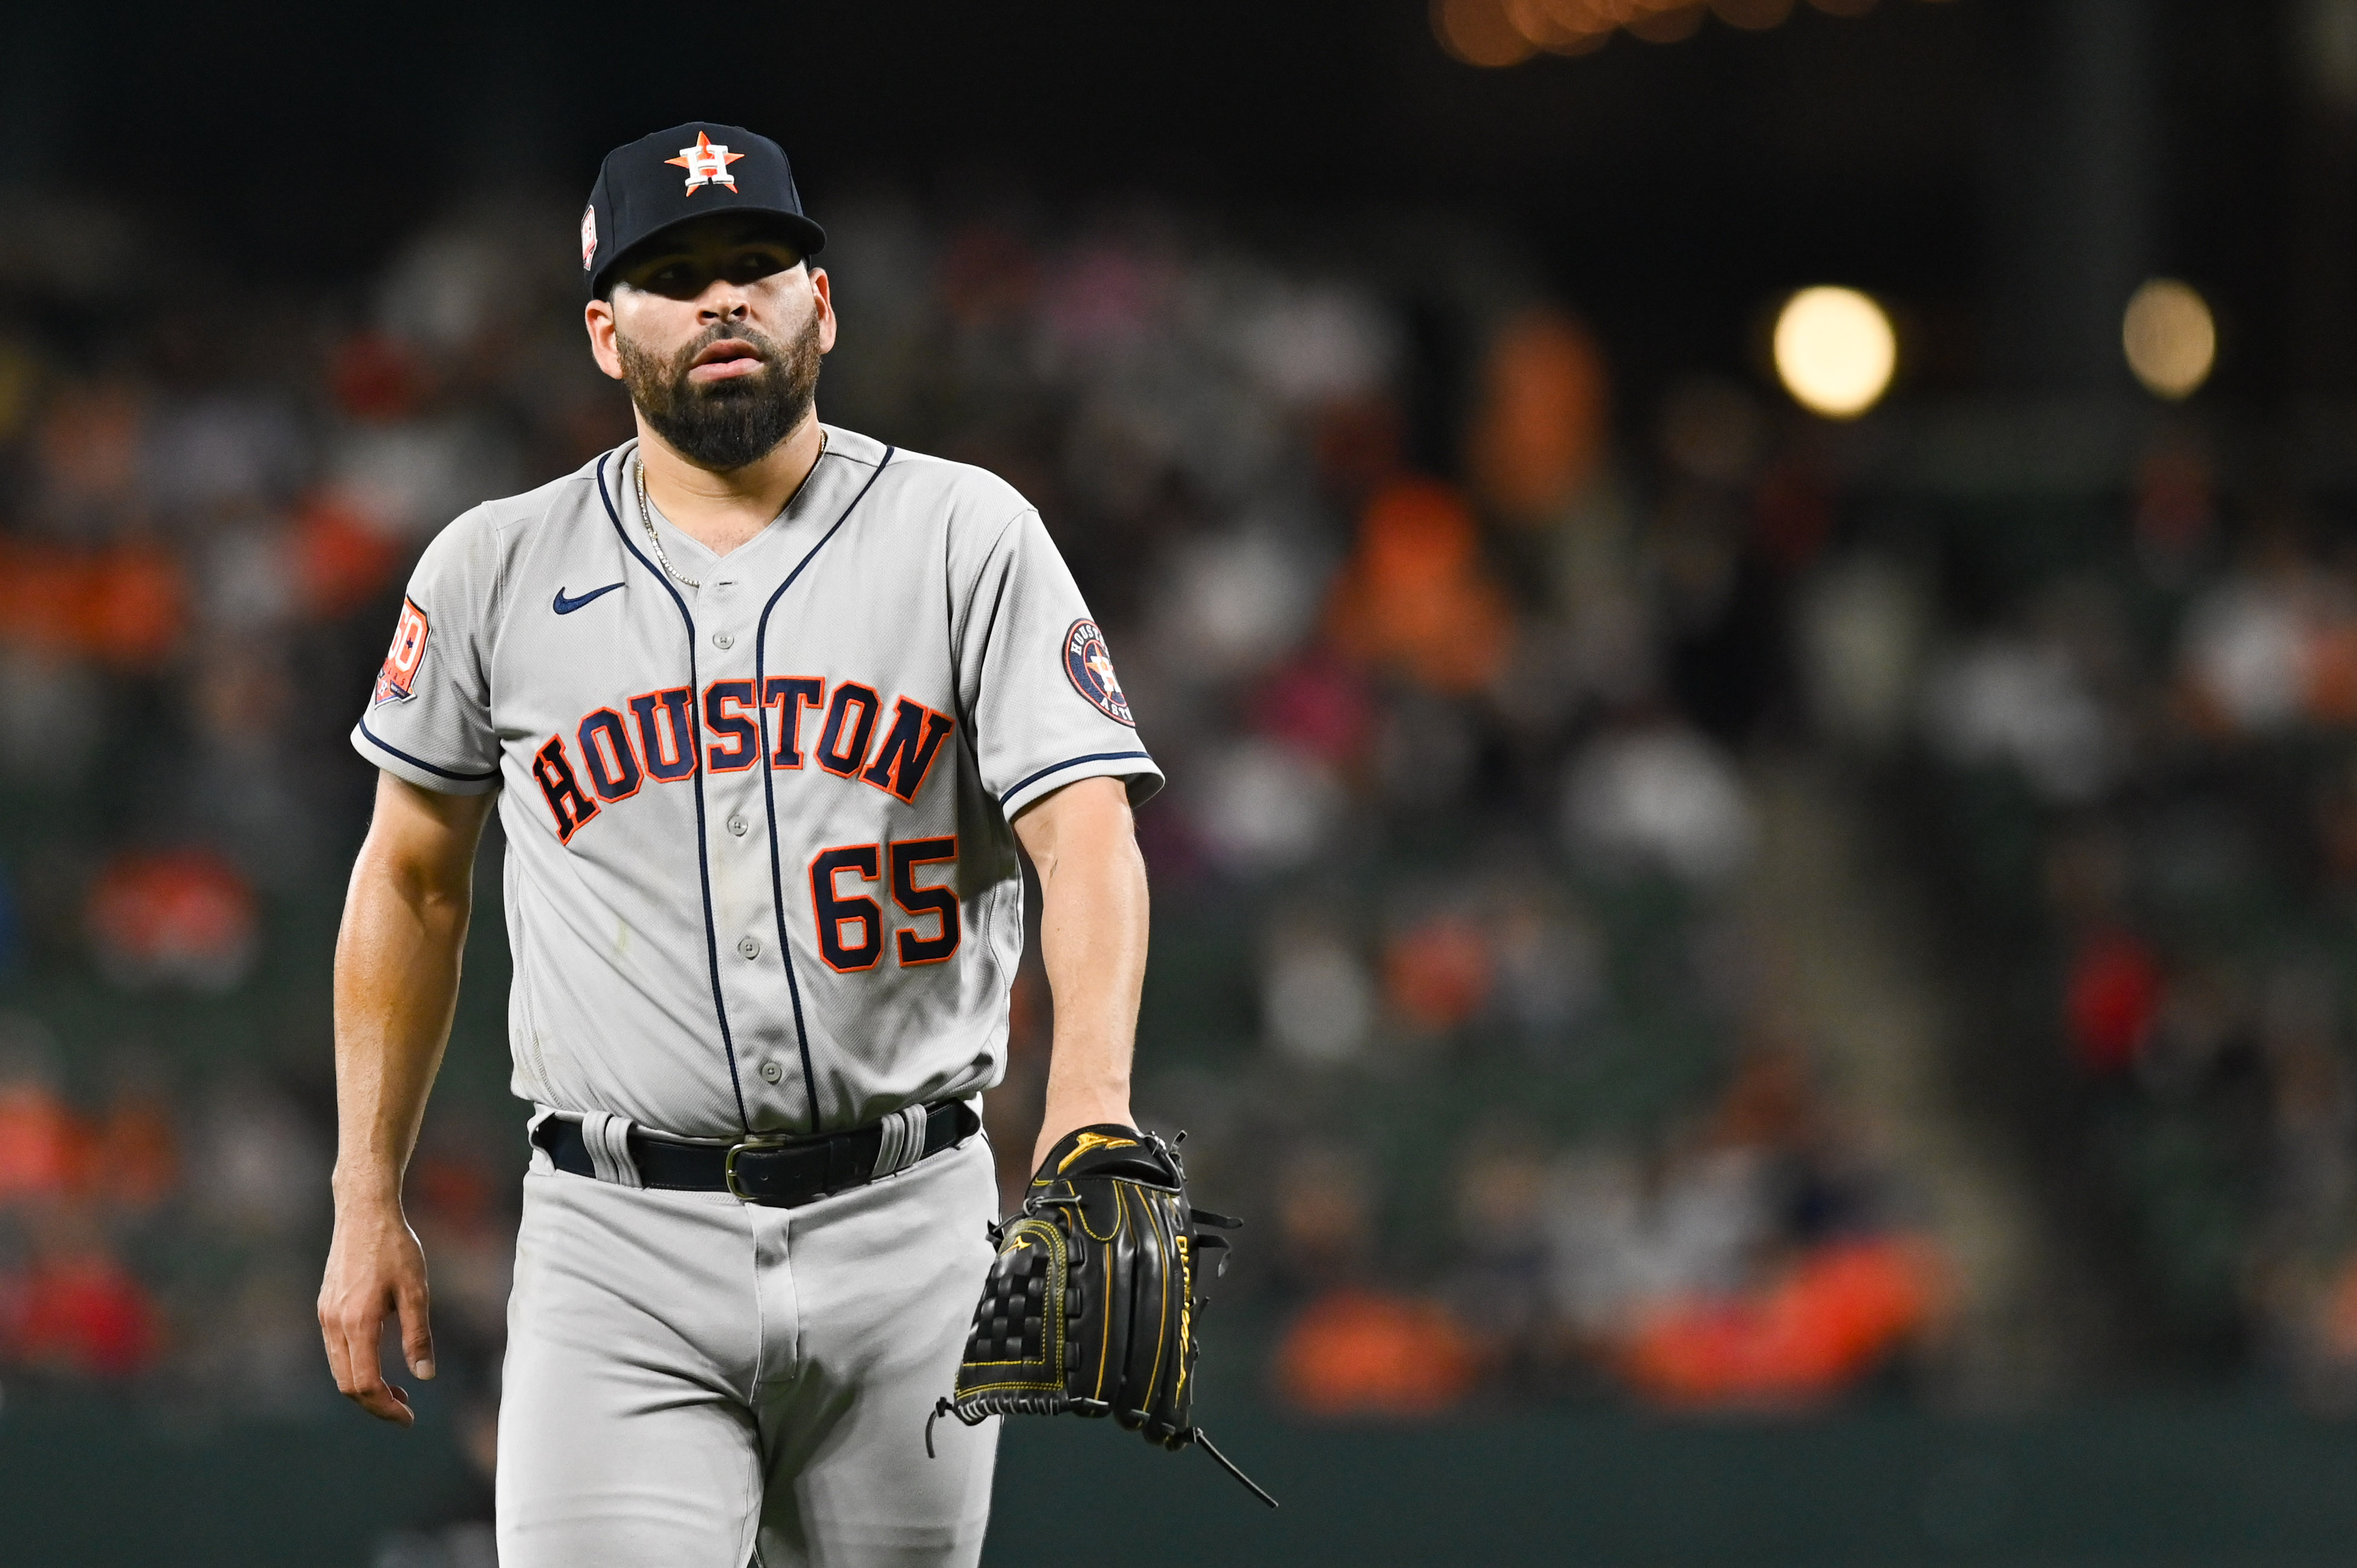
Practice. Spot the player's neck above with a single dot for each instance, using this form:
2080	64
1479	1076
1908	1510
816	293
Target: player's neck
722	510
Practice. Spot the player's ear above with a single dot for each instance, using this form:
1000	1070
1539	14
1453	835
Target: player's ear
598	316
821	290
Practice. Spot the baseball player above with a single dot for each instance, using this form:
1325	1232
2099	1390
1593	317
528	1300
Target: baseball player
765	706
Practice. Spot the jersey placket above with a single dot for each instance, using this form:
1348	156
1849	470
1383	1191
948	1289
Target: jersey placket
692	748
735	615
778	730
737	846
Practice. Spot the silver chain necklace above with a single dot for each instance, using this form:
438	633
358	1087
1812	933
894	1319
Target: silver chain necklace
646	521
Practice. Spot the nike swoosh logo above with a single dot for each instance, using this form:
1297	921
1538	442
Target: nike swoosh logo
566	607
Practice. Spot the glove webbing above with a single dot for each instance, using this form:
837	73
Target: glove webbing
1057	1405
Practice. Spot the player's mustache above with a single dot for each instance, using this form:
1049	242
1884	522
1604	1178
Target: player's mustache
764	348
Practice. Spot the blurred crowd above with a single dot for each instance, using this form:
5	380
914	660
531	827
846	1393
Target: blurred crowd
211	489
1455	667
2133	725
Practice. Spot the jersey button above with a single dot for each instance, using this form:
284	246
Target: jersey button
772	1072
737	824
749	946
722	639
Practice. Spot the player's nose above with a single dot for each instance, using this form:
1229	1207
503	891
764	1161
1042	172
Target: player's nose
724	302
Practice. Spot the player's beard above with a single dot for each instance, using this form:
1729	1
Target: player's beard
725	425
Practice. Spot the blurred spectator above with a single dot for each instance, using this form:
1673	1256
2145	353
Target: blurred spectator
43	1146
1827	1320
1415	595
77	1310
1861	632
1325	1218
2010	701
123	605
1755	1267
257	1166
1658	800
1540	430
183	918
252	1344
1437	969
2114	1000
134	1149
1550	977
1241	600
2275	645
53	714
1356	1346
1318	1001
1498	1287
1319	706
1359	1352
1265	808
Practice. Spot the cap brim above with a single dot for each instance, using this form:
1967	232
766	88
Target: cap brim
807	236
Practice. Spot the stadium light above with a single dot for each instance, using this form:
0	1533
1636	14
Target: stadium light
1836	352
1480	33
2170	337
1493	34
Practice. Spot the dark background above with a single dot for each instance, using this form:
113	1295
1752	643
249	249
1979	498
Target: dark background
1947	152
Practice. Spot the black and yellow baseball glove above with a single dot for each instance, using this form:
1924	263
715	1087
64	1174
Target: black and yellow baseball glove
1091	1306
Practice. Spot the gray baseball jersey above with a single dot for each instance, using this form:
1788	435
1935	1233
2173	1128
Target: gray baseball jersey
760	875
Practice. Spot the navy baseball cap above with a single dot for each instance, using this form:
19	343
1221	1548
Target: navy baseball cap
661	181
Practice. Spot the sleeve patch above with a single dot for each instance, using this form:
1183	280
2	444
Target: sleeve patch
1085	660
395	681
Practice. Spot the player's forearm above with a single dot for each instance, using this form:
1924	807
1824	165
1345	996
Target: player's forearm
1092	939
397	959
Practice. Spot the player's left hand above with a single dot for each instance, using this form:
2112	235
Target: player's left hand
1092	1303
376	1270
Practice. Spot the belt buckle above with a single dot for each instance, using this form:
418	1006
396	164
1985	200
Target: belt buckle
728	1164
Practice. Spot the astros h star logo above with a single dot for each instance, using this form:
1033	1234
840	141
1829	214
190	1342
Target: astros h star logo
706	164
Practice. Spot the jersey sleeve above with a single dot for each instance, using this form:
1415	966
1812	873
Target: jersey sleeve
428	718
1039	679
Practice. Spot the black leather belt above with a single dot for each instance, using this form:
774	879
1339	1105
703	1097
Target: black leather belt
771	1170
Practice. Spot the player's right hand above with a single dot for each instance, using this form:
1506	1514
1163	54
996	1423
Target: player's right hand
375	1270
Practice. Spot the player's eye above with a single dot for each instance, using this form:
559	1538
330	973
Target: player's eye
680	279
751	265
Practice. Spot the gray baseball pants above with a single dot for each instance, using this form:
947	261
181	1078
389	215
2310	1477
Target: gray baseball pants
695	1382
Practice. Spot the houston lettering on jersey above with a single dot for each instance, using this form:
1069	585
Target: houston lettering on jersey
661	736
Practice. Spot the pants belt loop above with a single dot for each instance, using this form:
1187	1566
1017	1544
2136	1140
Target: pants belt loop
608	1138
903	1139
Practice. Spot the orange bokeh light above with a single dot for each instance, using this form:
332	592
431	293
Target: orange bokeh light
1496	33
1478	33
1561	27
1673	25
